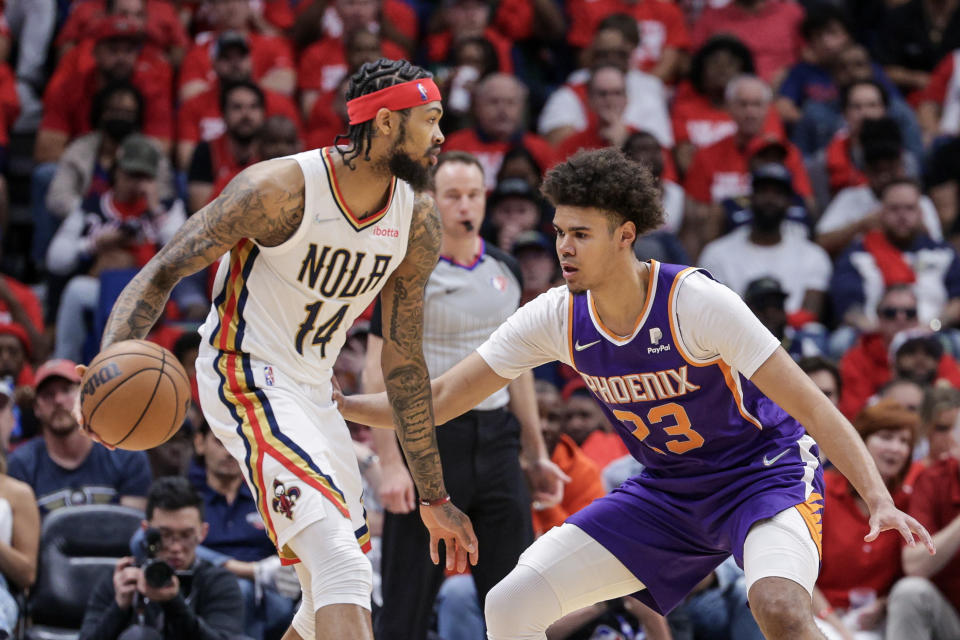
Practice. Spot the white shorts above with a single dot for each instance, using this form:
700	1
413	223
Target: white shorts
293	445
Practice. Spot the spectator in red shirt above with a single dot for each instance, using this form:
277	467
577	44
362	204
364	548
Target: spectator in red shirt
663	31
468	19
848	563
939	412
499	104
165	32
567	111
607	97
272	56
859	101
770	28
927	603
470	60
68	97
200	117
325	63
722	170
216	162
699	113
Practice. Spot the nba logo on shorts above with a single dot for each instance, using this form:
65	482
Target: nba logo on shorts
268	375
423	92
499	283
655	335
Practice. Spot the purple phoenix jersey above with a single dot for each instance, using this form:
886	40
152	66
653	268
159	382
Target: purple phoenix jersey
718	454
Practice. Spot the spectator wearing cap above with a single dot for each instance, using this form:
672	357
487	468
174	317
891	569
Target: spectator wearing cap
120	229
488	451
215	163
849	565
772	246
116	56
638	99
537	258
722	170
200	118
499	105
166	34
856	210
663	37
899	251
770	28
868	364
271	57
323	64
766	298
63	466
513	207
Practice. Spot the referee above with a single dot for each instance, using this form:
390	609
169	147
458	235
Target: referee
474	288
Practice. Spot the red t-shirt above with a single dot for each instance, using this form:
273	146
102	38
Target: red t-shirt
514	19
603	448
696	120
722	171
268	53
200	118
27	299
848	562
661	23
935	502
69	95
324	124
840	168
772	32
164	29
438	47
324	63
225	165
9	102
490	153
941	79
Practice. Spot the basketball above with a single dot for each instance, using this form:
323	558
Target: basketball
134	395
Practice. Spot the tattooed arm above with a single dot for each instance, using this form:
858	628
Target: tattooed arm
408	384
264	202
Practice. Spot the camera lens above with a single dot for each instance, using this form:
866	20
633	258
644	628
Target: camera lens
157	573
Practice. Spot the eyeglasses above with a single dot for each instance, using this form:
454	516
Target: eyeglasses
943	428
889	313
186	538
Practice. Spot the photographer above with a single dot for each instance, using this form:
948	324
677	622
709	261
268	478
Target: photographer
199	601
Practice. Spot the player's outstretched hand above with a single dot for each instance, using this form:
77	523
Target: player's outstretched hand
78	415
887	517
337	393
446	522
546	481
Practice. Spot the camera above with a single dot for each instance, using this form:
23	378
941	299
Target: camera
156	572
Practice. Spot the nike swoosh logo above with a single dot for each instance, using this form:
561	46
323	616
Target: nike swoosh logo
450	290
581	347
768	462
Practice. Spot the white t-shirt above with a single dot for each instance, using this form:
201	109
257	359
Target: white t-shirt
799	265
673	201
646	107
712	321
856	203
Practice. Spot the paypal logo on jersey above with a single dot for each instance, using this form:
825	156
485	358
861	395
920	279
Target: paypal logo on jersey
656	334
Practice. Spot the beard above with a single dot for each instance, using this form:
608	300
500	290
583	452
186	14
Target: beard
61	423
768	220
402	166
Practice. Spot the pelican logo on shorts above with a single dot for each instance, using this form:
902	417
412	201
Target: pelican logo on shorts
284	499
268	376
101	377
423	92
656	334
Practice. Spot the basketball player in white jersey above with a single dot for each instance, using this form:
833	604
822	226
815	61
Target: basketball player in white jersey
311	239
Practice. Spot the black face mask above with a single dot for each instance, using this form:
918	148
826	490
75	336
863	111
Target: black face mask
768	219
118	128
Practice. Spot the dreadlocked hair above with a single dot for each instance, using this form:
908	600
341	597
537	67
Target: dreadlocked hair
373	76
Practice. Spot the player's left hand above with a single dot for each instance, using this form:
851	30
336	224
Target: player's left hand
546	482
887	517
338	397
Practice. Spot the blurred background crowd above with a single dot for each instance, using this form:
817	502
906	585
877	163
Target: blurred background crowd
808	154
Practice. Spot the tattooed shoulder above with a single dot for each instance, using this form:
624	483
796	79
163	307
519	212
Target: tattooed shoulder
271	199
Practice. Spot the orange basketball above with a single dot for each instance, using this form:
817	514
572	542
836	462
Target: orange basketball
134	395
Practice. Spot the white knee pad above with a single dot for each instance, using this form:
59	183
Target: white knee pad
332	569
521	606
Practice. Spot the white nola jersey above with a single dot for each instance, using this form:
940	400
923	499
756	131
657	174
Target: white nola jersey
291	305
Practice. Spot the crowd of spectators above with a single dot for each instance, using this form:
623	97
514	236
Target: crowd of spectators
807	153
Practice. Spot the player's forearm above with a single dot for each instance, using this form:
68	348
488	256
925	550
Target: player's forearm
140	304
917	561
523	405
408	389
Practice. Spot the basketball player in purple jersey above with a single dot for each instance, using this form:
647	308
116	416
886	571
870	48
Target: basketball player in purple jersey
701	394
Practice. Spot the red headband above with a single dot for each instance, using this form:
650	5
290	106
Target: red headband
399	96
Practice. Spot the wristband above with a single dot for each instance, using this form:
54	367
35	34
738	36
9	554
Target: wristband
435	503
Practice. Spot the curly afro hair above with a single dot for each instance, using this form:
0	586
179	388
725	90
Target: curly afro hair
608	180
